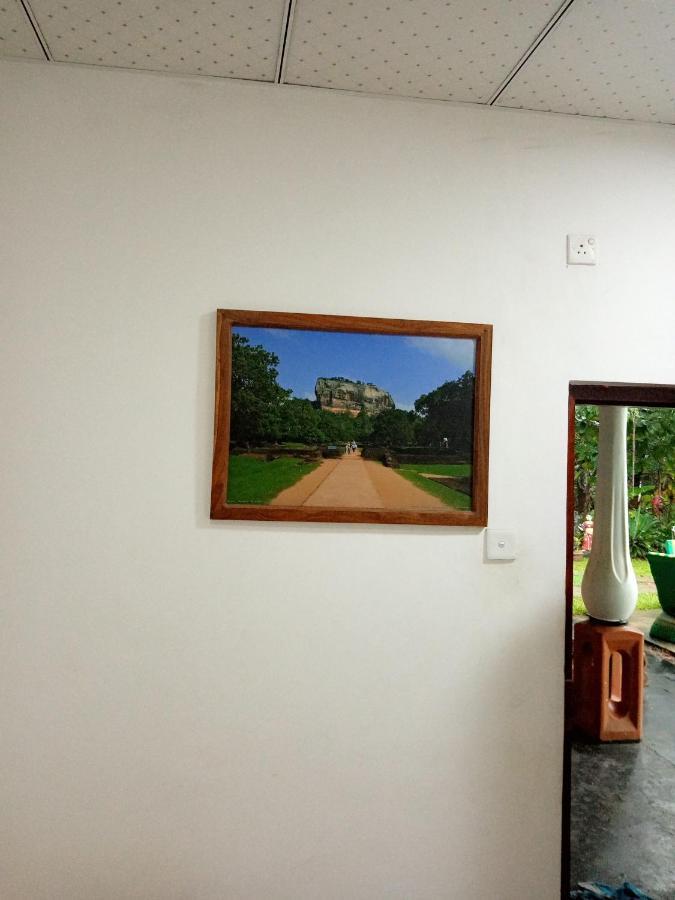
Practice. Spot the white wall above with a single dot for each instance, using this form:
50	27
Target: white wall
235	710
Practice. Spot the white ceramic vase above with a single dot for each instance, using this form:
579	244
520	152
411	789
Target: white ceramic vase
609	588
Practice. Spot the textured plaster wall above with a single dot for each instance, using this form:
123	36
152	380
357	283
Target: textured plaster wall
293	712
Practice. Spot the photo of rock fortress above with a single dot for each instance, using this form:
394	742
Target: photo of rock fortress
342	395
299	437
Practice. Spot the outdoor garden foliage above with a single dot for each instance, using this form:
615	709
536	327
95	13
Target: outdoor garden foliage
651	473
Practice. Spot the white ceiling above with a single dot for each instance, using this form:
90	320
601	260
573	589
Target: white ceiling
605	58
459	50
609	58
17	36
237	39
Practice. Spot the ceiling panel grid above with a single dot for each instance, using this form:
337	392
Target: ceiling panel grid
239	38
604	58
440	49
17	37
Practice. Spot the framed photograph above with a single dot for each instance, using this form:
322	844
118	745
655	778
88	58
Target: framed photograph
345	419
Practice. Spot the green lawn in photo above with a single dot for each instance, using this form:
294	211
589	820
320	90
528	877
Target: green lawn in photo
646	600
449	496
252	479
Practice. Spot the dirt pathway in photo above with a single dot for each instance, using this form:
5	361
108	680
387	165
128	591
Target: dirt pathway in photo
353	482
297	493
399	493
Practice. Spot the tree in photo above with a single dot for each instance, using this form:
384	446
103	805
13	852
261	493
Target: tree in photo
446	414
337	428
300	422
394	428
363	427
257	397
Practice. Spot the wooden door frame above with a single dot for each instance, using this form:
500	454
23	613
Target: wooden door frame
596	393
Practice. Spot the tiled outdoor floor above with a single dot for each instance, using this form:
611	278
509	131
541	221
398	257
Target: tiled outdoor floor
623	798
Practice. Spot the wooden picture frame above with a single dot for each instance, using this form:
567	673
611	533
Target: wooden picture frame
297	326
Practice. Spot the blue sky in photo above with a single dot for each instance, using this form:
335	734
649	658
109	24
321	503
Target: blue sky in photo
405	366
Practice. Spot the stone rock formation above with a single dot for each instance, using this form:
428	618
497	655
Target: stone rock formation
341	395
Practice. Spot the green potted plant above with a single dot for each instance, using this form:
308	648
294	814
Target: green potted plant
663	572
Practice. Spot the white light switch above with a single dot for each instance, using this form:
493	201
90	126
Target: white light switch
500	544
582	250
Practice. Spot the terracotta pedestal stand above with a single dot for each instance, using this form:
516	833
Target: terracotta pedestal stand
608	681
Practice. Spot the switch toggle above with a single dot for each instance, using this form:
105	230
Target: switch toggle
500	544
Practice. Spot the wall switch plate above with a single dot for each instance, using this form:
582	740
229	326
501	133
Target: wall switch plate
582	250
500	544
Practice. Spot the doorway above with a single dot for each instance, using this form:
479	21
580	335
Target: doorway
596	394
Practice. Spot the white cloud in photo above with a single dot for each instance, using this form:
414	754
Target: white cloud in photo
458	352
282	334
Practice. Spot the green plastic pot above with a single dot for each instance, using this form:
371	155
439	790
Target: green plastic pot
663	572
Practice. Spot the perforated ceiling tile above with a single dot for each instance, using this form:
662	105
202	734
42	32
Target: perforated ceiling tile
238	38
604	58
443	49
17	37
